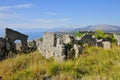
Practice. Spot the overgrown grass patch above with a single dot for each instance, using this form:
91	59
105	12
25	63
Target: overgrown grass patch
94	63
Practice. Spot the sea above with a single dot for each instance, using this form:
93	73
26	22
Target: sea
35	33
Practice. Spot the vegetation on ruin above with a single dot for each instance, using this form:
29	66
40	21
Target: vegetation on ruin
78	34
102	35
99	34
94	63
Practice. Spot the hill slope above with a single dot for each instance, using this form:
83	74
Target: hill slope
103	27
94	63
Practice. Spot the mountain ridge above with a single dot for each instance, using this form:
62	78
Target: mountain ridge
103	27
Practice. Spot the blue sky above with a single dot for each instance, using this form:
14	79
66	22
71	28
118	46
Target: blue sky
58	13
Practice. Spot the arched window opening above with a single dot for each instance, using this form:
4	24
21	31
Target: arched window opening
18	45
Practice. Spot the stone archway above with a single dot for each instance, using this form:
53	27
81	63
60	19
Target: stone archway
12	36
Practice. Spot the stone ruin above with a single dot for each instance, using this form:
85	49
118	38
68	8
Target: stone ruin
66	46
12	36
49	47
7	44
89	40
60	48
117	37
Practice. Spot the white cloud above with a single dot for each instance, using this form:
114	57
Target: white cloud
7	15
2	8
51	13
52	20
29	24
65	19
7	12
44	20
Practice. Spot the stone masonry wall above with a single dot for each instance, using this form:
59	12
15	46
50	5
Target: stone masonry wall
60	47
49	47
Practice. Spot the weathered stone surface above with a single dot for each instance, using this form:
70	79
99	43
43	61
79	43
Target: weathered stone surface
88	39
106	44
49	39
78	50
68	39
4	48
51	46
117	37
2	45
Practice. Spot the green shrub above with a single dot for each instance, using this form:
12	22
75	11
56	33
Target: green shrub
78	34
100	34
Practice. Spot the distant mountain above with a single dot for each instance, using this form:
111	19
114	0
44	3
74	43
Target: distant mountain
104	27
38	32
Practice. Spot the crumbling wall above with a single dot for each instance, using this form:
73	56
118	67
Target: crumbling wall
88	39
12	35
51	46
104	44
66	46
49	39
68	39
117	37
2	46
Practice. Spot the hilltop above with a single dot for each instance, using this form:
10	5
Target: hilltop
94	63
103	27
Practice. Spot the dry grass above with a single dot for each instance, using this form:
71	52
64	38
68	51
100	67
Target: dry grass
94	63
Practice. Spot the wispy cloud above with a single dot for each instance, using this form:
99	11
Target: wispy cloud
7	12
52	20
40	23
27	25
2	8
51	13
7	15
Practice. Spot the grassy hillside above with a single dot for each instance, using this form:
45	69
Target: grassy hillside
94	63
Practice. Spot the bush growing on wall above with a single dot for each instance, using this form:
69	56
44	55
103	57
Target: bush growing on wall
100	34
78	34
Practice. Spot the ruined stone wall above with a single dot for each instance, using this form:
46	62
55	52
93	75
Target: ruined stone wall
62	47
104	44
88	39
117	37
2	45
51	46
68	39
49	39
12	35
